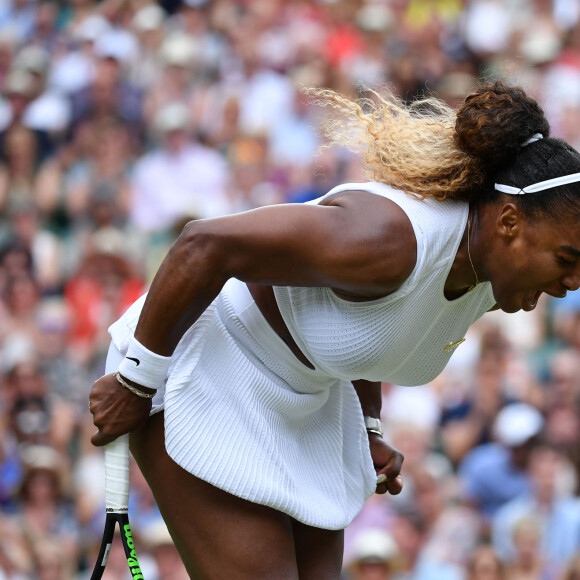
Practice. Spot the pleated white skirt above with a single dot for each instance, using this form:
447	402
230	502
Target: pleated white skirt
244	414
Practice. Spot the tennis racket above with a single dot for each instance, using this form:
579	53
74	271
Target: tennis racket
117	508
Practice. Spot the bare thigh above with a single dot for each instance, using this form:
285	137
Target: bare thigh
318	552
219	535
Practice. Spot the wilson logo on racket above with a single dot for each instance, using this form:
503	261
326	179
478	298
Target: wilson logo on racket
132	561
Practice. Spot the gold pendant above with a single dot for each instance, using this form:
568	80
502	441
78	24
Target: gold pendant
453	345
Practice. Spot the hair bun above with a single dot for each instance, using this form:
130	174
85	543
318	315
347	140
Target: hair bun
495	120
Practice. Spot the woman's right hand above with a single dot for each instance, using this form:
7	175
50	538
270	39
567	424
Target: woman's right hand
115	410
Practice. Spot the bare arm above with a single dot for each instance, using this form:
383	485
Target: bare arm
386	459
362	245
370	397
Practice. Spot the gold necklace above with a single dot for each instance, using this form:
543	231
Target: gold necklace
472	287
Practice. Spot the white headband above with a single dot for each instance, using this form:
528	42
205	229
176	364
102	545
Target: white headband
541	185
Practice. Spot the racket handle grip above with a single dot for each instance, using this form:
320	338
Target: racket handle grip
117	475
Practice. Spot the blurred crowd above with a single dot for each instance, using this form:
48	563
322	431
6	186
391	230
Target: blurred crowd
120	120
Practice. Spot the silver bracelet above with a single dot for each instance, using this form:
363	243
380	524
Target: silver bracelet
374	425
131	388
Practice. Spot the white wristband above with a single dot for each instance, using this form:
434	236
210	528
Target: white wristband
374	425
144	367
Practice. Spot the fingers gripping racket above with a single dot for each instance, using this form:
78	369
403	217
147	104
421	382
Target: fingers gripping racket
117	508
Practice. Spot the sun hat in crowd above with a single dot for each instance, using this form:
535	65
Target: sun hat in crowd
18	82
32	58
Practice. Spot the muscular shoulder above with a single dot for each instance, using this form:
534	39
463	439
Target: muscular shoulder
381	239
357	243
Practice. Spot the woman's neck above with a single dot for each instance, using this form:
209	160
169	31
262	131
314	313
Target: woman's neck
463	275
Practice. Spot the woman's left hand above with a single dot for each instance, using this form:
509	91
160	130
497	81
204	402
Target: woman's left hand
115	410
388	462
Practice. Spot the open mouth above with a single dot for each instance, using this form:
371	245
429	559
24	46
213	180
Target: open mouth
558	294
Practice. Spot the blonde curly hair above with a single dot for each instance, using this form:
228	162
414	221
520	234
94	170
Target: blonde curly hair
409	147
428	149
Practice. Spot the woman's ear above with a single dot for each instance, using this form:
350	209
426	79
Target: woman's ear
509	221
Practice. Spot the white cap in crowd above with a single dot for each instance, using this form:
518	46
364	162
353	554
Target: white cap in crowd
171	117
150	17
517	423
373	545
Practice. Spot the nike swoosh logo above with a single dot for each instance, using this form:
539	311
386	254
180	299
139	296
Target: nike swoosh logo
137	361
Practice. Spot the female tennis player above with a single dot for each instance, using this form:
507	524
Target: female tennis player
261	328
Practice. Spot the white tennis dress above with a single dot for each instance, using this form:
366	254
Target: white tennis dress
243	413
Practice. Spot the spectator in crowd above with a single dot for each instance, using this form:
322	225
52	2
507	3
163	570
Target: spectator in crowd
251	183
467	420
42	509
23	150
484	564
16	559
147	25
45	33
34	415
551	505
374	556
528	562
451	529
51	560
192	177
174	83
494	473
74	66
109	93
408	530
50	110
294	139
561	391
45	248
102	287
66	377
107	162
